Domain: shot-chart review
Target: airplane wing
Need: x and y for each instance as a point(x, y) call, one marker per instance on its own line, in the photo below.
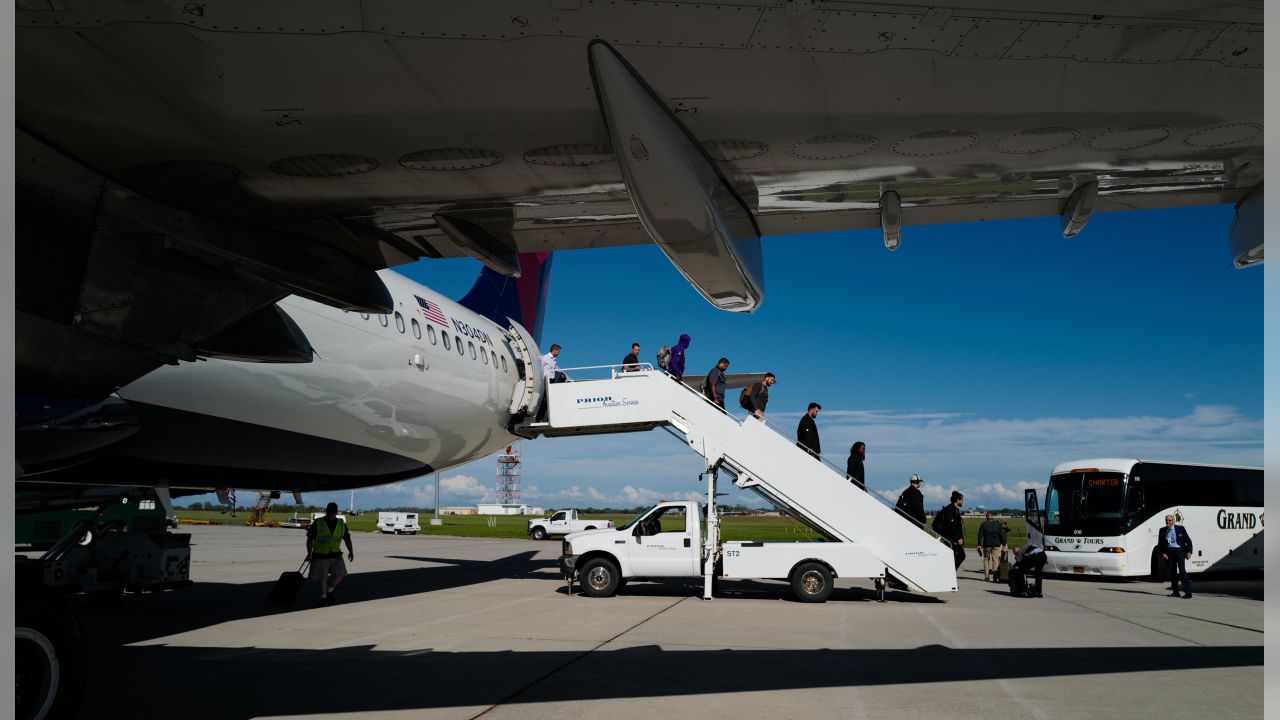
point(732, 380)
point(202, 160)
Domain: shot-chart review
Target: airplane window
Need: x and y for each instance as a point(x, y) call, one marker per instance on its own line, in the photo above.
point(364, 316)
point(457, 339)
point(382, 319)
point(484, 356)
point(471, 346)
point(494, 355)
point(417, 329)
point(431, 333)
point(504, 363)
point(445, 336)
point(399, 322)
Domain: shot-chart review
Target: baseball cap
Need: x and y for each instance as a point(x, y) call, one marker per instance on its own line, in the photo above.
point(916, 478)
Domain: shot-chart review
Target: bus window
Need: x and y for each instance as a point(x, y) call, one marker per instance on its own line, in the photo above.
point(1134, 504)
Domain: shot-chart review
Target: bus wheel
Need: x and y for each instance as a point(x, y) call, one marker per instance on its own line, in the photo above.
point(1159, 569)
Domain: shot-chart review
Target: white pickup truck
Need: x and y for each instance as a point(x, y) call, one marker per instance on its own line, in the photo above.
point(662, 543)
point(563, 522)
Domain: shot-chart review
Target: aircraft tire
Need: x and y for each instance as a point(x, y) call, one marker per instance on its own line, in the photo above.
point(49, 655)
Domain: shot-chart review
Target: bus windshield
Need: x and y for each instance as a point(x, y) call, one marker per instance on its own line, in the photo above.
point(1091, 502)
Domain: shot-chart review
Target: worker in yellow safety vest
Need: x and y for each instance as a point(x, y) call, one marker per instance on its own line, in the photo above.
point(324, 551)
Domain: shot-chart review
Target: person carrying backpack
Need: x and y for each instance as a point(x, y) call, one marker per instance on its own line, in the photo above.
point(675, 365)
point(911, 501)
point(754, 399)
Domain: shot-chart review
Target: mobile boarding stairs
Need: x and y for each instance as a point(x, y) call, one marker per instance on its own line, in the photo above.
point(756, 457)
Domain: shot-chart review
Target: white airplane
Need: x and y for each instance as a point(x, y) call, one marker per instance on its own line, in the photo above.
point(198, 182)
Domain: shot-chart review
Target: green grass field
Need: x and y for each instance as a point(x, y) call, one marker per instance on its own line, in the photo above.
point(499, 526)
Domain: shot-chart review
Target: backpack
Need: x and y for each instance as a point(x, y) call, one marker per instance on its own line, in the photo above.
point(664, 357)
point(742, 399)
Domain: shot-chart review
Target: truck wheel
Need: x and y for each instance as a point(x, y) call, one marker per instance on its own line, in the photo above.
point(598, 577)
point(1159, 568)
point(49, 655)
point(539, 533)
point(811, 582)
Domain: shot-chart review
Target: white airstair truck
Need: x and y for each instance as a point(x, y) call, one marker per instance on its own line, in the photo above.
point(865, 537)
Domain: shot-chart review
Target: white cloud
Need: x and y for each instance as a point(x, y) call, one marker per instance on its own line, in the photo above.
point(465, 486)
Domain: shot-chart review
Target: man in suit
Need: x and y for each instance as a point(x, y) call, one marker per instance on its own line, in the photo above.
point(1175, 547)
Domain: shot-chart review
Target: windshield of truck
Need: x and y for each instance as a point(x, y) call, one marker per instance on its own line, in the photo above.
point(633, 521)
point(1089, 502)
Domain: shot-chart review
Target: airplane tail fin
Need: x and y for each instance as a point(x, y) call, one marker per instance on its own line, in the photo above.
point(522, 299)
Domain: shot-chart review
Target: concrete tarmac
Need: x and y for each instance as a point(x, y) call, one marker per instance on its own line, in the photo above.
point(436, 627)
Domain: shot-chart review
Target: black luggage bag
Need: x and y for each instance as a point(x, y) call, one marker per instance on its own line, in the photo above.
point(285, 591)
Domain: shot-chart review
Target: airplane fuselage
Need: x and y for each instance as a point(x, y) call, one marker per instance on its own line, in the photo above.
point(386, 397)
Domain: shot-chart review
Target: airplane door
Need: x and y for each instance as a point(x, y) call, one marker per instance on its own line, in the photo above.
point(527, 396)
point(662, 545)
point(1035, 532)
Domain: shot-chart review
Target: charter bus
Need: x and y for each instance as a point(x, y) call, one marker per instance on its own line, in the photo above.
point(1103, 516)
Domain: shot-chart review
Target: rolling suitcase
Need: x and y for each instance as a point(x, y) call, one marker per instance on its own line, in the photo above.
point(285, 591)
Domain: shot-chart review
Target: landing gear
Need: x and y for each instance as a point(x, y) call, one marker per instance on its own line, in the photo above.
point(49, 654)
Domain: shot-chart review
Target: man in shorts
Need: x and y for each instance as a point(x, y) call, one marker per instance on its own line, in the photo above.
point(324, 550)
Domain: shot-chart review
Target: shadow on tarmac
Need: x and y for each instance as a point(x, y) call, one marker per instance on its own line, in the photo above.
point(251, 682)
point(143, 617)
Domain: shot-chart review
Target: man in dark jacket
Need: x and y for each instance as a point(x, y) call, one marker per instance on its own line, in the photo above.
point(911, 501)
point(755, 398)
point(675, 365)
point(950, 526)
point(713, 387)
point(992, 543)
point(857, 475)
point(807, 432)
point(1175, 547)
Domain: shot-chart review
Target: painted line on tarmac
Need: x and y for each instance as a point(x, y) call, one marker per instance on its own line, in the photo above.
point(563, 666)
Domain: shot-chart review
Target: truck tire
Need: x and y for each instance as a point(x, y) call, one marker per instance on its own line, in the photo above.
point(49, 654)
point(811, 582)
point(598, 577)
point(539, 533)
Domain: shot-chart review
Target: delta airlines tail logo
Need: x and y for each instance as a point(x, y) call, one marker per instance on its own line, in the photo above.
point(431, 311)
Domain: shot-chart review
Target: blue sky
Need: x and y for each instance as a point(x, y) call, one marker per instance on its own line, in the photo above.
point(979, 355)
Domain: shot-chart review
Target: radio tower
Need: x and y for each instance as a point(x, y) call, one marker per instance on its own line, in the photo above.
point(509, 476)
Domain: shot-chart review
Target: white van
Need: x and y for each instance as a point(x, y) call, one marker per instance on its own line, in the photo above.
point(398, 522)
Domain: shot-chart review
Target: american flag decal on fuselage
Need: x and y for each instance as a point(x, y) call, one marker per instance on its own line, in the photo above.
point(431, 311)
